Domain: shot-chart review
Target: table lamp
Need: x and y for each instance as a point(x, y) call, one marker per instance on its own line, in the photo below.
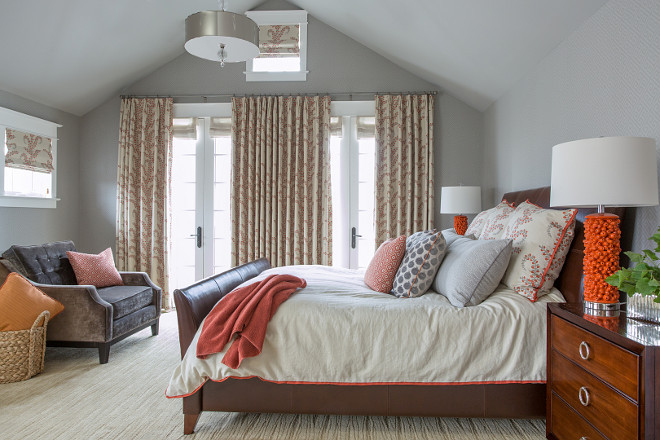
point(599, 172)
point(460, 200)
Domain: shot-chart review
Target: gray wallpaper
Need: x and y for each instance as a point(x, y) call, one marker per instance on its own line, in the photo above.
point(38, 225)
point(336, 64)
point(604, 80)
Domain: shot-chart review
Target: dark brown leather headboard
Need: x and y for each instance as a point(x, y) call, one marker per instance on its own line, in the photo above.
point(569, 281)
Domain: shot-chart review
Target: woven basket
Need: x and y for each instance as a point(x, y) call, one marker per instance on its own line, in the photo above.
point(22, 351)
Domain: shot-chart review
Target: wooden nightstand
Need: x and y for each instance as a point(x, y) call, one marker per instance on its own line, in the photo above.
point(601, 376)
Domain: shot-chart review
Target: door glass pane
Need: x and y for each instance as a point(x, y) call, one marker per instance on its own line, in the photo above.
point(221, 205)
point(366, 191)
point(182, 257)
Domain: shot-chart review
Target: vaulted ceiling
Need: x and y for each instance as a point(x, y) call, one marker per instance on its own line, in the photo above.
point(75, 54)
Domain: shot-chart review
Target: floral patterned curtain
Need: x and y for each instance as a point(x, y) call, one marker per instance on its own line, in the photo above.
point(144, 188)
point(404, 165)
point(281, 199)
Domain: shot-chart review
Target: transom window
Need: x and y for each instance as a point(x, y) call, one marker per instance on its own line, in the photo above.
point(282, 46)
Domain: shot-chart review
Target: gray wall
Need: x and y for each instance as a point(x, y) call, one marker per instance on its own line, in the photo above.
point(38, 225)
point(604, 80)
point(336, 64)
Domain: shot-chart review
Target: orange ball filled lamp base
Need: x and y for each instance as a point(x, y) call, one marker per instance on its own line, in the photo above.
point(602, 247)
point(460, 224)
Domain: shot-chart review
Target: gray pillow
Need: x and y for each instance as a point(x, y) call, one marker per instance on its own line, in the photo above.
point(472, 270)
point(424, 253)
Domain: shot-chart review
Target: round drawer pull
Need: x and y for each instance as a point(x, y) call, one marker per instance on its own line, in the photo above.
point(584, 350)
point(583, 395)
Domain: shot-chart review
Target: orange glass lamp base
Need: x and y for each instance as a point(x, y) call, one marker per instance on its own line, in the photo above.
point(460, 224)
point(602, 247)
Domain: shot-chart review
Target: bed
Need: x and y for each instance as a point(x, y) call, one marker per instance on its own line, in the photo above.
point(521, 394)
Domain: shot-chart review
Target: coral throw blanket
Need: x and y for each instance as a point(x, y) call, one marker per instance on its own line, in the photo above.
point(244, 313)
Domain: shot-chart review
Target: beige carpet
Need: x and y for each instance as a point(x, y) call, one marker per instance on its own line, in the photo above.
point(76, 398)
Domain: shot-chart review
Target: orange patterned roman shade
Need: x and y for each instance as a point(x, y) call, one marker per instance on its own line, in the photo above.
point(279, 40)
point(28, 151)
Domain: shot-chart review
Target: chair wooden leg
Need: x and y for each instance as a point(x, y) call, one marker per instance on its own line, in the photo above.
point(189, 423)
point(104, 353)
point(154, 328)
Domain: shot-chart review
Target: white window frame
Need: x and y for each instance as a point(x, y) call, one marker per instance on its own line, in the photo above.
point(262, 18)
point(29, 124)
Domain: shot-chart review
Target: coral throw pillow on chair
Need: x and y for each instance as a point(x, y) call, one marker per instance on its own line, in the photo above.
point(97, 270)
point(383, 266)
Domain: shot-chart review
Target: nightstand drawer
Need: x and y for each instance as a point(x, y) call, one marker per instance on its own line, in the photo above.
point(604, 359)
point(568, 425)
point(608, 411)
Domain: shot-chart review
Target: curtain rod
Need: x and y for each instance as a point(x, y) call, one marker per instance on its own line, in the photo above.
point(232, 95)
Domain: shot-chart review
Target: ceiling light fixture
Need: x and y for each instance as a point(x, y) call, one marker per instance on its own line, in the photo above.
point(222, 36)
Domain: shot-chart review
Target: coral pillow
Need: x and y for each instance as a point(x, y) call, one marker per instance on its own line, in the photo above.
point(21, 303)
point(382, 269)
point(541, 239)
point(97, 270)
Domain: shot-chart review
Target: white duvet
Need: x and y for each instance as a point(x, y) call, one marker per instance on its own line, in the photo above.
point(337, 330)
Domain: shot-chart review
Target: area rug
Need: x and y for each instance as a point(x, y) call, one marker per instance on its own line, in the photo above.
point(77, 398)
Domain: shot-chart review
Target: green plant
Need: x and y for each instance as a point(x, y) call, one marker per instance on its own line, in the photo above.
point(644, 276)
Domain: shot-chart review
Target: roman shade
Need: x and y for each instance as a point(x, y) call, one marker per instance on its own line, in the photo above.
point(220, 127)
point(28, 151)
point(184, 128)
point(278, 41)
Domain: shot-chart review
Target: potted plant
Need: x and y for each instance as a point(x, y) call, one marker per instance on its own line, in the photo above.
point(641, 282)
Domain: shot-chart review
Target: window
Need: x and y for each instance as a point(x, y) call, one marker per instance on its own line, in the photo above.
point(28, 165)
point(282, 46)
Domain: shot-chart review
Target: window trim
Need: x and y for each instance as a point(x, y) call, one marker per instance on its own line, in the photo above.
point(30, 124)
point(298, 17)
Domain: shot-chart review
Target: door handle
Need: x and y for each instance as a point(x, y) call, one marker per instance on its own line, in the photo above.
point(354, 236)
point(198, 236)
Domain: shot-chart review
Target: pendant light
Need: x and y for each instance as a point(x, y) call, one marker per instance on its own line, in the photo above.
point(222, 36)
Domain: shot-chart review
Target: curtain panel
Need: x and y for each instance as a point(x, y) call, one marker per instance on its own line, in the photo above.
point(404, 165)
point(281, 198)
point(144, 188)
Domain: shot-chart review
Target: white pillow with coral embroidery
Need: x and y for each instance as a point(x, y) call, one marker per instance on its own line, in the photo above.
point(477, 224)
point(497, 221)
point(541, 239)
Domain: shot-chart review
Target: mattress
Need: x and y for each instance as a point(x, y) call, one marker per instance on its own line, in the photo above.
point(338, 331)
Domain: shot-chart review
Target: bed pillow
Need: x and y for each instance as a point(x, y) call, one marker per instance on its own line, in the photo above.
point(97, 270)
point(424, 253)
point(472, 270)
point(541, 239)
point(21, 303)
point(477, 224)
point(497, 221)
point(384, 265)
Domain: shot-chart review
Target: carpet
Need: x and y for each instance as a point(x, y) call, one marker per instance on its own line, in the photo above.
point(77, 398)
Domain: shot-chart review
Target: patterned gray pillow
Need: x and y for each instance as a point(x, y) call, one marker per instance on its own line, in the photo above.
point(472, 270)
point(424, 253)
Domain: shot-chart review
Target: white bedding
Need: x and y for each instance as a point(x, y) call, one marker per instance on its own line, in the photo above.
point(337, 330)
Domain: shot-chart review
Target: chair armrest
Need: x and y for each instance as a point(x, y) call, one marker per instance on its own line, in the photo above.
point(86, 316)
point(142, 279)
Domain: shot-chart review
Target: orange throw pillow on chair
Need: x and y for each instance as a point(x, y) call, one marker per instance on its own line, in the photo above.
point(21, 303)
point(382, 269)
point(97, 270)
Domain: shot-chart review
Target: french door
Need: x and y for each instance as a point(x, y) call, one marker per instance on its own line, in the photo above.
point(201, 222)
point(352, 153)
